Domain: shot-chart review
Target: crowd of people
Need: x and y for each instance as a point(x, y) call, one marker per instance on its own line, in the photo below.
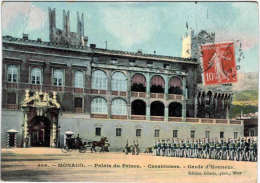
point(241, 149)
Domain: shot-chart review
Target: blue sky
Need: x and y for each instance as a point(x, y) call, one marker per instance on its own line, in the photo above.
point(142, 25)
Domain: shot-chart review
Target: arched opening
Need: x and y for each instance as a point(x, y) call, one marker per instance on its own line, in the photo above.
point(157, 84)
point(175, 109)
point(201, 105)
point(99, 106)
point(157, 108)
point(138, 107)
point(119, 82)
point(39, 130)
point(208, 104)
point(118, 107)
point(138, 83)
point(175, 86)
point(99, 80)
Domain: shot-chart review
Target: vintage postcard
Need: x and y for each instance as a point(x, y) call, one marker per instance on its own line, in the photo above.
point(141, 92)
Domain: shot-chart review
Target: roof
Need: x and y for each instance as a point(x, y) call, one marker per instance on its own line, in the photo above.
point(86, 49)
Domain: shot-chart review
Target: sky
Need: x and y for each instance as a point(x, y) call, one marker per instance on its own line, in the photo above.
point(149, 26)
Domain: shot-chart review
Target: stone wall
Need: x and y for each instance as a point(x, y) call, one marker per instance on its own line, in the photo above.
point(85, 126)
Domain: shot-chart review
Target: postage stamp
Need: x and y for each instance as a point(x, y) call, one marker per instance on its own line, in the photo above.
point(129, 91)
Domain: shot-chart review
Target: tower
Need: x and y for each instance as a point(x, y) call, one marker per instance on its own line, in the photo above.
point(192, 41)
point(65, 36)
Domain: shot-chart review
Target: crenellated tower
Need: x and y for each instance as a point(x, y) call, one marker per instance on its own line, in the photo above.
point(64, 35)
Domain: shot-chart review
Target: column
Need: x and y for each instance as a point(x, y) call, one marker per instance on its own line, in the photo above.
point(166, 113)
point(166, 88)
point(25, 129)
point(128, 111)
point(109, 77)
point(109, 102)
point(184, 87)
point(54, 135)
point(148, 111)
point(7, 142)
point(183, 110)
point(196, 105)
point(147, 77)
point(128, 95)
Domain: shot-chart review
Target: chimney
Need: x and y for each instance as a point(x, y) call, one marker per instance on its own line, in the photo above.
point(92, 45)
point(25, 36)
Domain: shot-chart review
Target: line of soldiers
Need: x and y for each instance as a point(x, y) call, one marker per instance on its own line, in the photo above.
point(241, 149)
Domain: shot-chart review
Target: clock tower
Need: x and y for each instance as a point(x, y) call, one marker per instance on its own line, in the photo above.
point(192, 41)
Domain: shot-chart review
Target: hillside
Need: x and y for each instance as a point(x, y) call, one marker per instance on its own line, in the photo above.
point(246, 101)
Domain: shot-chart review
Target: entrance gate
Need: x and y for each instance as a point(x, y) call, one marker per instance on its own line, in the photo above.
point(41, 113)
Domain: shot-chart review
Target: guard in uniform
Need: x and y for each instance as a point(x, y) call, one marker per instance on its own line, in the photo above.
point(237, 150)
point(211, 149)
point(231, 150)
point(195, 154)
point(204, 149)
point(155, 148)
point(163, 148)
point(169, 148)
point(192, 148)
point(199, 149)
point(255, 149)
point(251, 151)
point(159, 146)
point(182, 148)
point(173, 148)
point(178, 148)
point(224, 150)
point(218, 149)
point(207, 148)
point(187, 149)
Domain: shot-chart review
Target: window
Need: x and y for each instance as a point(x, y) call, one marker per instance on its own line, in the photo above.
point(235, 135)
point(156, 133)
point(252, 133)
point(119, 82)
point(132, 61)
point(114, 61)
point(11, 98)
point(98, 131)
point(118, 107)
point(36, 76)
point(99, 106)
point(149, 63)
point(79, 79)
point(58, 77)
point(99, 80)
point(78, 102)
point(221, 135)
point(166, 65)
point(192, 134)
point(175, 134)
point(207, 134)
point(138, 132)
point(118, 132)
point(12, 73)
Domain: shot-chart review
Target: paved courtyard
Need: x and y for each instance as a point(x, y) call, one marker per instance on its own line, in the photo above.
point(47, 164)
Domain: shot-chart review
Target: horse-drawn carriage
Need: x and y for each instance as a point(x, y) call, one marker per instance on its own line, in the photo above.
point(72, 143)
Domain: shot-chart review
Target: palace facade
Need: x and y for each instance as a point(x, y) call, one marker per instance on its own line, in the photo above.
point(65, 84)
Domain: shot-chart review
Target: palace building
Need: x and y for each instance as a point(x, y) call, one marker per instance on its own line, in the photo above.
point(65, 84)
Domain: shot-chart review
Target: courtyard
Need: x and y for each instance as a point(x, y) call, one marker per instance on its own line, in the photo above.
point(50, 164)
